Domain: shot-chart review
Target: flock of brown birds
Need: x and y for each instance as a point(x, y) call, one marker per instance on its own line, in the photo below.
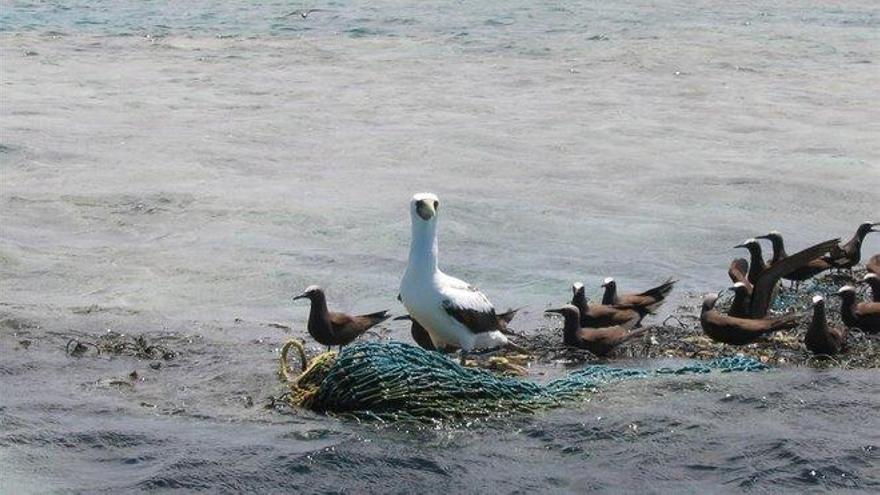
point(601, 327)
point(755, 286)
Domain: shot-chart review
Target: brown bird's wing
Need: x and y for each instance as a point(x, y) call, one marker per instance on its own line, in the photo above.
point(868, 316)
point(661, 291)
point(808, 271)
point(375, 318)
point(874, 284)
point(609, 335)
point(634, 300)
point(762, 294)
point(839, 254)
point(421, 336)
point(340, 320)
point(738, 272)
point(739, 308)
point(600, 315)
point(873, 264)
point(839, 334)
point(741, 325)
point(650, 299)
point(601, 341)
point(784, 322)
point(347, 328)
point(742, 330)
point(762, 325)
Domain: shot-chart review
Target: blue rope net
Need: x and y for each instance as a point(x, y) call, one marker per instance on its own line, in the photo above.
point(397, 381)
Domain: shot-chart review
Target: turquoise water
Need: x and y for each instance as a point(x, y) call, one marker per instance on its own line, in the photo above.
point(182, 169)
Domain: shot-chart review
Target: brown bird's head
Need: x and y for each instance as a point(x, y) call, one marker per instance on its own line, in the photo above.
point(570, 312)
point(578, 295)
point(750, 244)
point(867, 227)
point(871, 279)
point(609, 282)
point(847, 293)
point(772, 236)
point(818, 300)
point(310, 293)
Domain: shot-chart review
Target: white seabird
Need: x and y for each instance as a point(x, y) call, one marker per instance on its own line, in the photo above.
point(454, 313)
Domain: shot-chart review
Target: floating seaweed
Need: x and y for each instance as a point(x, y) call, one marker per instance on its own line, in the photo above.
point(118, 344)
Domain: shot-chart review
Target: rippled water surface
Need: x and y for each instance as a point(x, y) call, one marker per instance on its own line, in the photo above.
point(180, 169)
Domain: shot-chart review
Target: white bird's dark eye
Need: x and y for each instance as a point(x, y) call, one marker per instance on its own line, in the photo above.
point(436, 204)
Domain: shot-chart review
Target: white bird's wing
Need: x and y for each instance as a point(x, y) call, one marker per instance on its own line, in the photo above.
point(468, 306)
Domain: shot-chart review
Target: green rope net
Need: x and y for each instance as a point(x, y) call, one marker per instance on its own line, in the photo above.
point(396, 381)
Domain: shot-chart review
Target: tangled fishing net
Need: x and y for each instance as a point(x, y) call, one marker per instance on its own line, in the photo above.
point(396, 381)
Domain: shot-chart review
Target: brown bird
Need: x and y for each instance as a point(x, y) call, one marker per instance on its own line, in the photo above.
point(756, 259)
point(336, 328)
point(820, 338)
point(738, 331)
point(738, 273)
point(601, 315)
point(739, 308)
point(846, 256)
point(423, 338)
point(650, 299)
point(775, 238)
point(764, 288)
point(873, 264)
point(800, 274)
point(862, 315)
point(599, 341)
point(873, 281)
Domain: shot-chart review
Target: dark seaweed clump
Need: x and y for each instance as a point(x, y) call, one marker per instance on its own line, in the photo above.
point(117, 344)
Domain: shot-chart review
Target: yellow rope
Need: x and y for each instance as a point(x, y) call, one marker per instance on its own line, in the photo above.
point(304, 386)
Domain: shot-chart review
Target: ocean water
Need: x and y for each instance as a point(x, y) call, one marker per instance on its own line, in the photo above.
point(180, 170)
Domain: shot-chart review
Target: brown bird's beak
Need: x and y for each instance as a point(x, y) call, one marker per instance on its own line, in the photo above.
point(301, 296)
point(740, 246)
point(554, 310)
point(765, 236)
